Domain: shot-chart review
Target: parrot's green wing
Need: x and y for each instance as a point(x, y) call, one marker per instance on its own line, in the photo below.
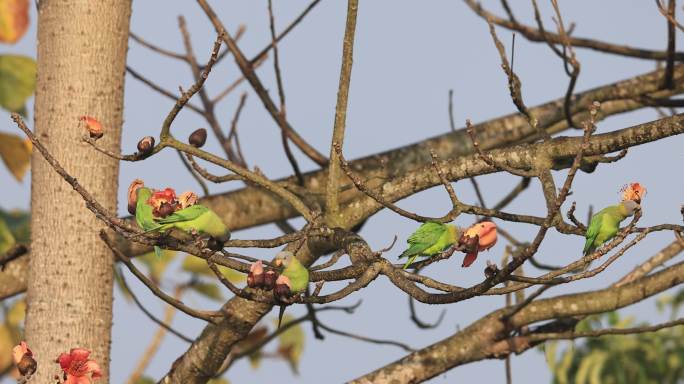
point(427, 233)
point(425, 236)
point(187, 214)
point(592, 233)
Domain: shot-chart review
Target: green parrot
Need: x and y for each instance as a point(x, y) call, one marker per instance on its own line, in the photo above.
point(294, 275)
point(605, 224)
point(430, 239)
point(294, 271)
point(143, 214)
point(197, 219)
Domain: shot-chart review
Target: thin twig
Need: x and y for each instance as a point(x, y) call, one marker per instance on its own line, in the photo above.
point(671, 39)
point(159, 89)
point(602, 332)
point(208, 316)
point(248, 71)
point(418, 322)
point(162, 323)
point(155, 48)
point(367, 339)
point(153, 347)
point(193, 173)
point(533, 34)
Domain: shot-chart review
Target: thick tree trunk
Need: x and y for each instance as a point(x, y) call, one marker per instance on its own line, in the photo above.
point(81, 60)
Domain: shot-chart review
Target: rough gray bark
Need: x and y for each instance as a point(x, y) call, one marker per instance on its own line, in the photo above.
point(81, 60)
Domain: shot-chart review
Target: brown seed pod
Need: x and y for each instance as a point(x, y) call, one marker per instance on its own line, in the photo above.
point(145, 145)
point(27, 366)
point(198, 138)
point(270, 278)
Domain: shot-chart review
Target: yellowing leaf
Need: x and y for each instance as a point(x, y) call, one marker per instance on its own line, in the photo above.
point(255, 359)
point(14, 20)
point(14, 152)
point(197, 265)
point(6, 344)
point(16, 313)
point(157, 265)
point(6, 237)
point(218, 381)
point(18, 222)
point(17, 81)
point(209, 290)
point(291, 343)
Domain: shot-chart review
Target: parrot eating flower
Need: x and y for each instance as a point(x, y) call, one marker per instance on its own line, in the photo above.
point(604, 225)
point(161, 211)
point(430, 239)
point(479, 237)
point(293, 280)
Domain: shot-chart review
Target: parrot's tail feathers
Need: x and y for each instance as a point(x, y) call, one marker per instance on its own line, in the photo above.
point(469, 259)
point(409, 261)
point(281, 312)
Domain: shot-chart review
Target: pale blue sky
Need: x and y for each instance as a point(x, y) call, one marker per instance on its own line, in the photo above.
point(408, 54)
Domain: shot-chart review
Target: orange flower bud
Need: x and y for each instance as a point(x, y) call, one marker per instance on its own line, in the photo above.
point(93, 127)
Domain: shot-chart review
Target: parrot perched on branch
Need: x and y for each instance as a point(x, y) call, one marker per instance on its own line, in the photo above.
point(197, 219)
point(293, 280)
point(161, 211)
point(605, 224)
point(143, 211)
point(294, 270)
point(430, 239)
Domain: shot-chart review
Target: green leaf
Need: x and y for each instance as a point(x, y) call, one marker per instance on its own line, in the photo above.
point(118, 280)
point(210, 290)
point(6, 237)
point(19, 223)
point(15, 153)
point(157, 265)
point(198, 266)
point(145, 380)
point(291, 343)
point(17, 81)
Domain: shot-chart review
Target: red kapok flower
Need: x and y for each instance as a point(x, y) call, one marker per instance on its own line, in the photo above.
point(633, 191)
point(166, 196)
point(76, 366)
